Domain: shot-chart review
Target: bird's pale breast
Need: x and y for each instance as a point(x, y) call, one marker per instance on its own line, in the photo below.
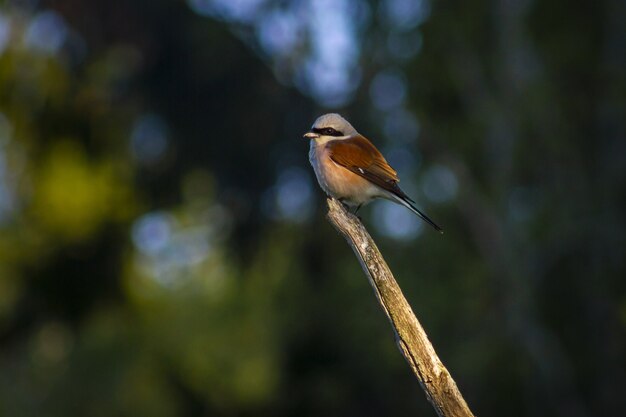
point(337, 181)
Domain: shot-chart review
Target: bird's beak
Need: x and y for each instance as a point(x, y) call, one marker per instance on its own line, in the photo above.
point(311, 135)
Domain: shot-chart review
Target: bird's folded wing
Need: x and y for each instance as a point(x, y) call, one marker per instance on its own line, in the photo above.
point(358, 155)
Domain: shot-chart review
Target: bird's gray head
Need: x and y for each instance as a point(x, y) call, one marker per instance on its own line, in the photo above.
point(331, 125)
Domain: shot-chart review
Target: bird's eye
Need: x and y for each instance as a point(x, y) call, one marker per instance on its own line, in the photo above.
point(329, 131)
point(326, 131)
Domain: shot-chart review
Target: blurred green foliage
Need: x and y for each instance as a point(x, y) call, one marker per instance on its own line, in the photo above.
point(160, 253)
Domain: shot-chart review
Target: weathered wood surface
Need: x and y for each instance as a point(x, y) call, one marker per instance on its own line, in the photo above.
point(440, 388)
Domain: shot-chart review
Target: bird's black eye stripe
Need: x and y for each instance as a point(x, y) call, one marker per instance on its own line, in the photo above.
point(327, 131)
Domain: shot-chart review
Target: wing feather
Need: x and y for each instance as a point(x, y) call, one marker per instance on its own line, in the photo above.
point(358, 155)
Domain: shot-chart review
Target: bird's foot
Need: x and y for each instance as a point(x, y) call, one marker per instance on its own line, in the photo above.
point(343, 203)
point(351, 209)
point(354, 211)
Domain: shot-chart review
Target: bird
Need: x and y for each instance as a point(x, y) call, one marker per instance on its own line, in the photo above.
point(350, 169)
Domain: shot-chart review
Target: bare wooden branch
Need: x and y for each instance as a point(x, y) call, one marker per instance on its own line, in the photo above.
point(440, 388)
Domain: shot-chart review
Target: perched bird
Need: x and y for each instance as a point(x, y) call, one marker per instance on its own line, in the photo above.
point(349, 168)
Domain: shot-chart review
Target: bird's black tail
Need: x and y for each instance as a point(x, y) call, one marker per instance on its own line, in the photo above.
point(407, 202)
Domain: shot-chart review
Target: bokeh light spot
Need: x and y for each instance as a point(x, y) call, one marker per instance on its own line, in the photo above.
point(406, 14)
point(278, 33)
point(235, 10)
point(149, 139)
point(294, 195)
point(331, 71)
point(152, 232)
point(395, 221)
point(440, 184)
point(46, 32)
point(388, 89)
point(5, 32)
point(400, 125)
point(402, 160)
point(313, 45)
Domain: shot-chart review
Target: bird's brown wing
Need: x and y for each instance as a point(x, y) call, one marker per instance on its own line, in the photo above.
point(358, 155)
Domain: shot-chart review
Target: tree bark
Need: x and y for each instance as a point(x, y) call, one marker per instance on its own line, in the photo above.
point(440, 388)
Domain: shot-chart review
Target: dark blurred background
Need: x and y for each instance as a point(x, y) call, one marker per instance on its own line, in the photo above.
point(163, 247)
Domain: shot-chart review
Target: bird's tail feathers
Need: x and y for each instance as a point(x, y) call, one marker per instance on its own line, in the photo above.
point(406, 201)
